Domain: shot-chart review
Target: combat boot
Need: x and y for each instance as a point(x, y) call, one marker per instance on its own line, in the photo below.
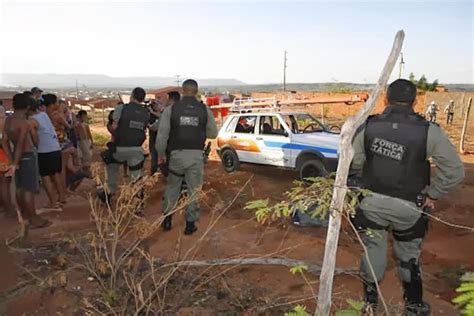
point(190, 228)
point(104, 197)
point(167, 222)
point(421, 309)
point(371, 298)
point(413, 294)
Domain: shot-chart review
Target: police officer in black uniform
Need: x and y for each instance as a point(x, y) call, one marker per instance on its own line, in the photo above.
point(182, 133)
point(392, 150)
point(129, 124)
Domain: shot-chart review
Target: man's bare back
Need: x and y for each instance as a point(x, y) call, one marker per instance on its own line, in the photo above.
point(18, 130)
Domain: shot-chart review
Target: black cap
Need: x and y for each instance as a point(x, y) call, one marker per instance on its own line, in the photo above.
point(401, 91)
point(36, 90)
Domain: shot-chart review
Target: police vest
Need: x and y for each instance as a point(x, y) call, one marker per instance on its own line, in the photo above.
point(395, 147)
point(188, 125)
point(131, 126)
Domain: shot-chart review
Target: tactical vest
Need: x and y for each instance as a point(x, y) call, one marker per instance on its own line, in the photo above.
point(188, 125)
point(131, 126)
point(395, 147)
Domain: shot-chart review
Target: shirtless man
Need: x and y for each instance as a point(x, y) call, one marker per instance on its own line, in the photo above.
point(56, 115)
point(23, 161)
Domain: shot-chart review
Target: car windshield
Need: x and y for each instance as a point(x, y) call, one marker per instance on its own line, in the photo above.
point(303, 123)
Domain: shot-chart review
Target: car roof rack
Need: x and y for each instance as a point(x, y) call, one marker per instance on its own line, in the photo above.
point(272, 104)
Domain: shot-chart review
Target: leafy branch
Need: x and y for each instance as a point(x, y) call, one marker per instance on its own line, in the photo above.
point(311, 196)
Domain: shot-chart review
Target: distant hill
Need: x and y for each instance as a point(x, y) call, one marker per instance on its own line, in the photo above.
point(101, 81)
point(64, 81)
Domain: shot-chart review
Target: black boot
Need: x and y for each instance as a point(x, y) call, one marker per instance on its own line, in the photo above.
point(104, 197)
point(190, 228)
point(413, 294)
point(371, 297)
point(413, 291)
point(167, 223)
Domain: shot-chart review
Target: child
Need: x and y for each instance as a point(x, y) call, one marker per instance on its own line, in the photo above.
point(85, 142)
point(24, 164)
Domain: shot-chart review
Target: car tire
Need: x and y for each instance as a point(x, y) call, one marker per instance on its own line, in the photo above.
point(230, 160)
point(312, 168)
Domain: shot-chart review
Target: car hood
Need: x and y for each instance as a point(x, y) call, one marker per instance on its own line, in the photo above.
point(318, 139)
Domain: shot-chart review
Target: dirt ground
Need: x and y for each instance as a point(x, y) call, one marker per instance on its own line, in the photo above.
point(447, 251)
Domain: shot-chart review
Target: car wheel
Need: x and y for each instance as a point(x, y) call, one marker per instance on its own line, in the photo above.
point(230, 160)
point(312, 168)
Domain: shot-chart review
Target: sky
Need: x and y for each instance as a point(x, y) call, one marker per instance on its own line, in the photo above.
point(327, 41)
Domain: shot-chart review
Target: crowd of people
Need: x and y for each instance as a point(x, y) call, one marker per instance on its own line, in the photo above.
point(42, 143)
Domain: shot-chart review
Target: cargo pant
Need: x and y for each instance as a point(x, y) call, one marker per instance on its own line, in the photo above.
point(397, 215)
point(188, 166)
point(133, 157)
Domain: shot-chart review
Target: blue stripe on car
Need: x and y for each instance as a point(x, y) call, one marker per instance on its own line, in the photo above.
point(299, 147)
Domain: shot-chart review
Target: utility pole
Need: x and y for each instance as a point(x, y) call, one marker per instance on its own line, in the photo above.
point(178, 82)
point(284, 72)
point(402, 64)
point(77, 91)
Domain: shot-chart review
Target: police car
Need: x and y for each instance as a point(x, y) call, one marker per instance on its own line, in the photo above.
point(293, 140)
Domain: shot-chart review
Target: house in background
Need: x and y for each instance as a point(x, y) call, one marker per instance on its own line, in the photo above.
point(441, 88)
point(6, 97)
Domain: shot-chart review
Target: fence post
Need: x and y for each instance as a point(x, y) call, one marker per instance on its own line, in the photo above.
point(462, 150)
point(337, 203)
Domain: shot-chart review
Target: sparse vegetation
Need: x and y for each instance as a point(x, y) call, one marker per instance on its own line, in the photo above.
point(100, 139)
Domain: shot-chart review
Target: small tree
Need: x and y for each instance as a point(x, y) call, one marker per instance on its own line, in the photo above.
point(422, 83)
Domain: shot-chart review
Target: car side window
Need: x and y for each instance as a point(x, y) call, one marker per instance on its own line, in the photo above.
point(246, 125)
point(231, 126)
point(270, 125)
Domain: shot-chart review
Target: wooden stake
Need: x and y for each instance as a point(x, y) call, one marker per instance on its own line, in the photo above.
point(464, 127)
point(346, 154)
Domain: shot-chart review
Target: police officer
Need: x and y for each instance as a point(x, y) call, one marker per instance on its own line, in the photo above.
point(129, 125)
point(392, 151)
point(183, 130)
point(432, 111)
point(449, 110)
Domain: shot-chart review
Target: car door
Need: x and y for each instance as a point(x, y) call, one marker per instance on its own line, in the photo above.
point(273, 139)
point(244, 139)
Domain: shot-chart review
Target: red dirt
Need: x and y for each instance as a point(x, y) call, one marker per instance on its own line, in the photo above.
point(446, 251)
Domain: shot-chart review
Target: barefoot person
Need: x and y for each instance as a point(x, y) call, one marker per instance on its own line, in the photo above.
point(24, 165)
point(85, 142)
point(61, 127)
point(4, 165)
point(49, 156)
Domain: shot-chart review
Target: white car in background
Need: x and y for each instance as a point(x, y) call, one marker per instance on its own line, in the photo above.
point(291, 140)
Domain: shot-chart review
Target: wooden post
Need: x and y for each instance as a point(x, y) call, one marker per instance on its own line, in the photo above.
point(323, 114)
point(337, 204)
point(464, 127)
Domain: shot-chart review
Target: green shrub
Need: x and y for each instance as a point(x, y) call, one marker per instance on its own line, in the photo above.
point(465, 299)
point(100, 139)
